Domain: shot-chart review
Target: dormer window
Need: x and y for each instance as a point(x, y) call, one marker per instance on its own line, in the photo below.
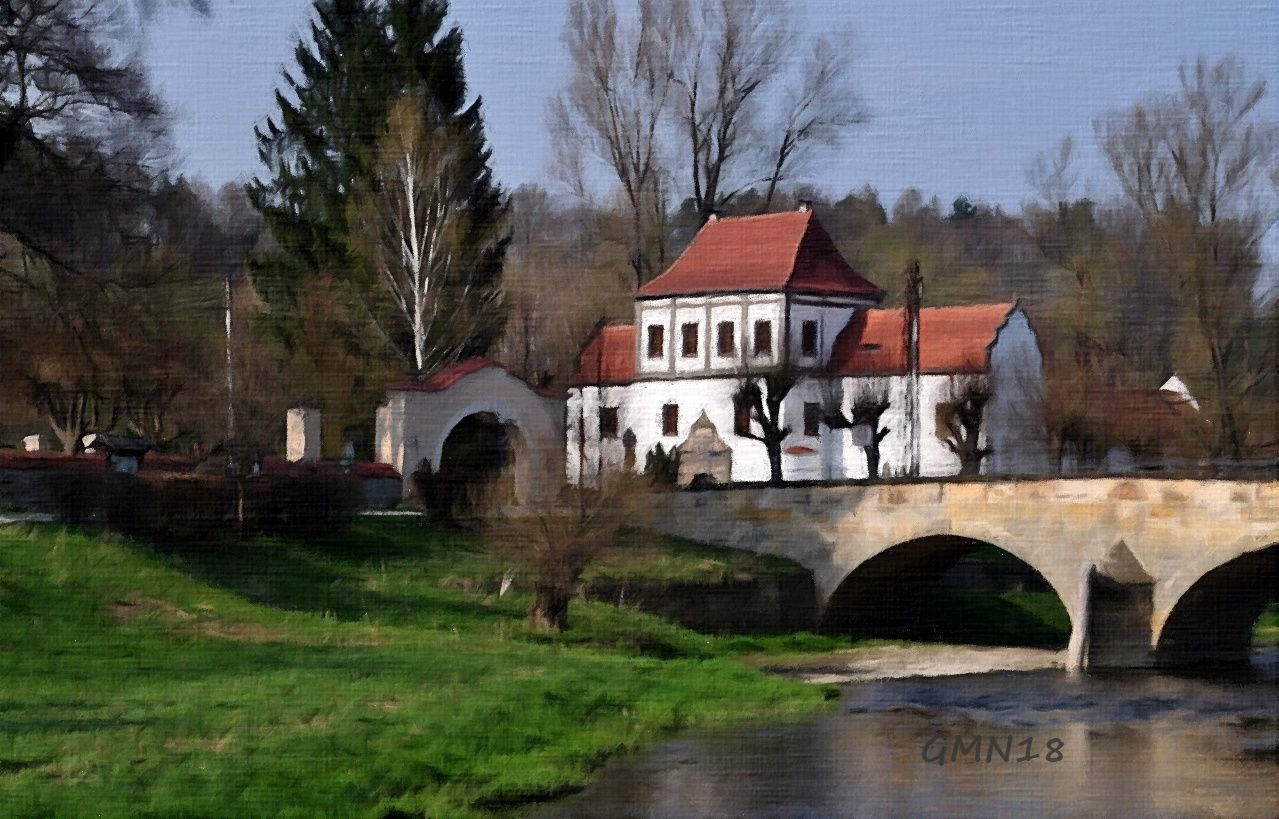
point(726, 343)
point(688, 345)
point(763, 338)
point(808, 339)
point(656, 340)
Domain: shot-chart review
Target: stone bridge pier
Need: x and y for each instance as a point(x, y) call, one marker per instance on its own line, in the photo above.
point(1150, 571)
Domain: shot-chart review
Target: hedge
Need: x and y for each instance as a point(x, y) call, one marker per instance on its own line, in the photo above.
point(294, 504)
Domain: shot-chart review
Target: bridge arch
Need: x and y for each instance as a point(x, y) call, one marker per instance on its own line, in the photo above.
point(886, 593)
point(1210, 625)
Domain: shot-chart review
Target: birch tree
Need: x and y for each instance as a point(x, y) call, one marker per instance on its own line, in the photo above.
point(411, 228)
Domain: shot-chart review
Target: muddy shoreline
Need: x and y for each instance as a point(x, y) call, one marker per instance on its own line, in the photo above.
point(900, 662)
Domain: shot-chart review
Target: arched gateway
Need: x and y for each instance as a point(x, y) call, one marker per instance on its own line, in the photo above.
point(474, 407)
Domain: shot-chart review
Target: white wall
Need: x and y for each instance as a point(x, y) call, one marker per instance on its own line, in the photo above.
point(1015, 415)
point(831, 318)
point(743, 310)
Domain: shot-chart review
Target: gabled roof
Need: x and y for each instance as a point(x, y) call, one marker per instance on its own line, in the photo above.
point(608, 357)
point(951, 340)
point(775, 252)
point(450, 375)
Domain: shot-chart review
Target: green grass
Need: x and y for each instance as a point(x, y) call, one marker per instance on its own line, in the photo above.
point(370, 672)
point(655, 558)
point(1012, 618)
point(1266, 632)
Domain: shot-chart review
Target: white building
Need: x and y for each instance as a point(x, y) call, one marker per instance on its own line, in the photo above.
point(754, 292)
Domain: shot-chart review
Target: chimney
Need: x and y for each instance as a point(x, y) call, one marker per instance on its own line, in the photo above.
point(303, 434)
point(805, 205)
point(713, 216)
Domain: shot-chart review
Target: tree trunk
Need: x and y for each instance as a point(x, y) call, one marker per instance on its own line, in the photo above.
point(872, 462)
point(549, 611)
point(775, 464)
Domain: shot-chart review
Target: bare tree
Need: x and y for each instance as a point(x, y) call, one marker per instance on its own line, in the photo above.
point(1195, 164)
point(1050, 176)
point(616, 104)
point(747, 116)
point(73, 412)
point(411, 229)
point(555, 534)
point(764, 392)
point(959, 421)
point(867, 406)
point(737, 47)
point(820, 107)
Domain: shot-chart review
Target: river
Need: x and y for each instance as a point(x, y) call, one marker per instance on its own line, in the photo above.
point(1130, 745)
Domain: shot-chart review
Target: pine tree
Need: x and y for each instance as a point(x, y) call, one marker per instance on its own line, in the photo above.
point(361, 57)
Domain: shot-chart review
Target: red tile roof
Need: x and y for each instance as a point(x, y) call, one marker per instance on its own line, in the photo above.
point(445, 378)
point(608, 357)
point(454, 373)
point(951, 340)
point(774, 252)
point(1137, 415)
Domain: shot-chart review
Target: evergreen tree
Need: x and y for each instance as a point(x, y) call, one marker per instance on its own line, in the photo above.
point(361, 57)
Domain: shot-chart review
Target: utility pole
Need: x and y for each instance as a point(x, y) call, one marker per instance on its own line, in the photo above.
point(914, 299)
point(230, 372)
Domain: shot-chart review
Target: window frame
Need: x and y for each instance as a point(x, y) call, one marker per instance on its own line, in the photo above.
point(742, 406)
point(670, 420)
point(656, 341)
point(809, 344)
point(812, 419)
point(605, 433)
point(689, 331)
point(758, 350)
point(729, 350)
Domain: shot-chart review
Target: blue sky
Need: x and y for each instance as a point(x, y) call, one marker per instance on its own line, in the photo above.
point(962, 93)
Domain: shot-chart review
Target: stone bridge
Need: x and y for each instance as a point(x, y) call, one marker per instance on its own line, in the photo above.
point(1151, 571)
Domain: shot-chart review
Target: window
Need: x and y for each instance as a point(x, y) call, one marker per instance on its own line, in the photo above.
point(808, 338)
point(812, 420)
point(608, 422)
point(656, 340)
point(763, 338)
point(727, 344)
point(741, 416)
point(670, 419)
point(689, 340)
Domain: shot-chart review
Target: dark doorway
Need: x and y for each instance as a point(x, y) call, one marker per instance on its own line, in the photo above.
point(478, 459)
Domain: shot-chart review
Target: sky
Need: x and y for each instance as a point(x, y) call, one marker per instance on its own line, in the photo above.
point(962, 94)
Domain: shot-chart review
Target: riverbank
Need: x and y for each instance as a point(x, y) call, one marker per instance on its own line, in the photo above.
point(887, 661)
point(362, 674)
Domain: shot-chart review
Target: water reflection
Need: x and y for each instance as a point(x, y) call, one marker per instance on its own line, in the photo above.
point(1135, 745)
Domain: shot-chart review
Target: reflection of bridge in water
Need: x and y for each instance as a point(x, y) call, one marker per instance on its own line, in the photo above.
point(1151, 571)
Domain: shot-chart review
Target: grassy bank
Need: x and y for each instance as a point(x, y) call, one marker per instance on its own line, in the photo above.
point(366, 673)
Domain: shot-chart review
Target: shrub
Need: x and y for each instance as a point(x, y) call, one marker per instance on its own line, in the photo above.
point(662, 466)
point(195, 505)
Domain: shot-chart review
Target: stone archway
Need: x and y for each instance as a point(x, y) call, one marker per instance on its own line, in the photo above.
point(1211, 625)
point(893, 593)
point(479, 458)
point(415, 424)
